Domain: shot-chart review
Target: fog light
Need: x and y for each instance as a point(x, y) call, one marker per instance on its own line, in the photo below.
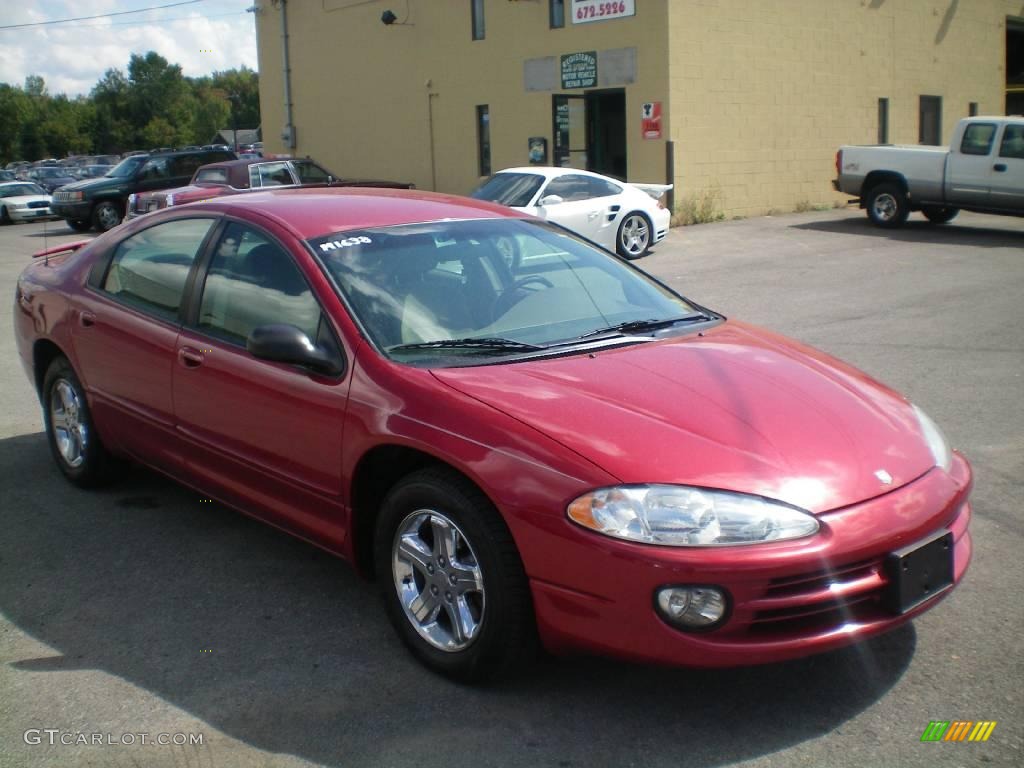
point(692, 607)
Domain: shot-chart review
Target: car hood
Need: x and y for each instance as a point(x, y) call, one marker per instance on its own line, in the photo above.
point(102, 181)
point(26, 199)
point(736, 408)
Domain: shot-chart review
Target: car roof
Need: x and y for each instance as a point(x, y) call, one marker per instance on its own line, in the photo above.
point(551, 171)
point(243, 162)
point(314, 211)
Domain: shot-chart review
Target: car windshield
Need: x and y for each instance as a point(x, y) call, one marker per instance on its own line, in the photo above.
point(515, 190)
point(16, 190)
point(128, 166)
point(50, 173)
point(310, 173)
point(428, 293)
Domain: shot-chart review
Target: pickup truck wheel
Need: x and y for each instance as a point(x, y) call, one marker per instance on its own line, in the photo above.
point(79, 226)
point(888, 206)
point(107, 215)
point(938, 214)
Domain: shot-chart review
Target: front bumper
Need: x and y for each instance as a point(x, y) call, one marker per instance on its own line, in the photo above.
point(80, 211)
point(787, 599)
point(29, 214)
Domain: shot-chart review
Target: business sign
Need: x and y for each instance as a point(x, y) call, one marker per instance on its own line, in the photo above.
point(584, 11)
point(579, 70)
point(650, 122)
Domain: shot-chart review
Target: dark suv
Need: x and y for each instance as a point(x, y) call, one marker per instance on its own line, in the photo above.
point(101, 202)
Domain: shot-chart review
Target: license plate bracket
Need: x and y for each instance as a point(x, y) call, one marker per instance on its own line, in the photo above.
point(919, 572)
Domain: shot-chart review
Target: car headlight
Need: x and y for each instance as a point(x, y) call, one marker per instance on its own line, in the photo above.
point(682, 516)
point(937, 442)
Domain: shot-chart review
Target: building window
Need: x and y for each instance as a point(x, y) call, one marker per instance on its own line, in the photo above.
point(477, 7)
point(557, 14)
point(972, 109)
point(929, 130)
point(883, 121)
point(483, 139)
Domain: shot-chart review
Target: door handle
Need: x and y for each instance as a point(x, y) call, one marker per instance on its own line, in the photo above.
point(593, 215)
point(999, 167)
point(86, 319)
point(190, 357)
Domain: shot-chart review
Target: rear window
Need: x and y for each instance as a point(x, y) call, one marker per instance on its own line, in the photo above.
point(213, 175)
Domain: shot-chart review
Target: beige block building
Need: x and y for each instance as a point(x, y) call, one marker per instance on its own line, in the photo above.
point(754, 96)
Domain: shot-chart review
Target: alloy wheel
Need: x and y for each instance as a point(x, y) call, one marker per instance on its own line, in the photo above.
point(69, 429)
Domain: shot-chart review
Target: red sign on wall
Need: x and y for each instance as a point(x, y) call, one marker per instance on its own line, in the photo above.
point(651, 121)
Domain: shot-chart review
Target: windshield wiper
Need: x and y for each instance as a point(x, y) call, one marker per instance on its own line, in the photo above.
point(641, 326)
point(484, 343)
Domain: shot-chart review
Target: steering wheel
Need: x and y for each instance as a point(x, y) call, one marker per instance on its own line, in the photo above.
point(507, 298)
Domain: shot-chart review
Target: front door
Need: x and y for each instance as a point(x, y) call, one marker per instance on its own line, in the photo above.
point(264, 436)
point(970, 165)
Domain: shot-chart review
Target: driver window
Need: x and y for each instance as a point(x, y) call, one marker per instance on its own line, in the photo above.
point(252, 281)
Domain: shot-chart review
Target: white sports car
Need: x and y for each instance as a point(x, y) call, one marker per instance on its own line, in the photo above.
point(23, 201)
point(622, 216)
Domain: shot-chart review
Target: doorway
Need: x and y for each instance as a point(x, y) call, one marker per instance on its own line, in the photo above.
point(590, 131)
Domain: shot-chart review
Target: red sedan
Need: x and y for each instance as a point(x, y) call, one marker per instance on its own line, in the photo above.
point(548, 446)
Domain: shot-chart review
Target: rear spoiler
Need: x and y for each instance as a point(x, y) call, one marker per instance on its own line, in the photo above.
point(65, 248)
point(654, 190)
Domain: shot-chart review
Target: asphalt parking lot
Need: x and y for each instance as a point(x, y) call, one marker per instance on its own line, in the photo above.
point(138, 609)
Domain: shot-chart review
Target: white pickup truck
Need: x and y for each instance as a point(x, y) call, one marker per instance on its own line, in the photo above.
point(983, 170)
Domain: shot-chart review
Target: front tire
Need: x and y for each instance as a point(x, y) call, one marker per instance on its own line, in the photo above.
point(887, 206)
point(107, 215)
point(451, 577)
point(79, 225)
point(634, 237)
point(938, 214)
point(5, 217)
point(74, 441)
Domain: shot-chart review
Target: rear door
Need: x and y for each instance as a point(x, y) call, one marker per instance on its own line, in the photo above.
point(264, 436)
point(126, 332)
point(969, 175)
point(1008, 169)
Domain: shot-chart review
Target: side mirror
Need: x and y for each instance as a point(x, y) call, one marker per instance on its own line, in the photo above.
point(551, 200)
point(282, 343)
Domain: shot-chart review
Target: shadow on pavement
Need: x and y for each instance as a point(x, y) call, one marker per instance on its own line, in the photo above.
point(281, 646)
point(922, 231)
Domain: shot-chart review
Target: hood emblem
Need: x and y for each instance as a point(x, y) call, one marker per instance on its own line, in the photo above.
point(884, 476)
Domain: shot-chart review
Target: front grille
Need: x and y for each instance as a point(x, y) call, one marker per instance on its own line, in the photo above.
point(39, 204)
point(819, 600)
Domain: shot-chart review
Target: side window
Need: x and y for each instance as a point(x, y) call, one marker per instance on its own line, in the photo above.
point(155, 168)
point(602, 188)
point(569, 187)
point(310, 173)
point(269, 175)
point(213, 175)
point(1013, 141)
point(978, 139)
point(251, 282)
point(149, 269)
point(185, 165)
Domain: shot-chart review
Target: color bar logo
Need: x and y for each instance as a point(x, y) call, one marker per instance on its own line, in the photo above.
point(958, 730)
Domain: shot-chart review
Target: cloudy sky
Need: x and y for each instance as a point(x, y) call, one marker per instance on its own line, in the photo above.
point(201, 36)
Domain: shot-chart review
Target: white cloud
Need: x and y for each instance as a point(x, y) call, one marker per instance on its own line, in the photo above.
point(205, 37)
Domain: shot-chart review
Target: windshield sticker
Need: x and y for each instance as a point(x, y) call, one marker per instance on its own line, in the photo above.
point(333, 245)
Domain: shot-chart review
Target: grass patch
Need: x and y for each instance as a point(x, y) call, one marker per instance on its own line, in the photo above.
point(700, 207)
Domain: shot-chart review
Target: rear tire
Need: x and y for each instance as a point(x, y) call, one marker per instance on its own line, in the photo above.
point(451, 577)
point(74, 441)
point(887, 205)
point(107, 215)
point(79, 225)
point(938, 214)
point(634, 236)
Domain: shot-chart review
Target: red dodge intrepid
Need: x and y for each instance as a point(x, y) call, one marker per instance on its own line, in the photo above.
point(521, 436)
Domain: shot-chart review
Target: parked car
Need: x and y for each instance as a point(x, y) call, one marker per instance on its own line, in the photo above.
point(983, 171)
point(567, 449)
point(101, 202)
point(623, 217)
point(95, 171)
point(234, 176)
point(7, 175)
point(52, 178)
point(23, 201)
